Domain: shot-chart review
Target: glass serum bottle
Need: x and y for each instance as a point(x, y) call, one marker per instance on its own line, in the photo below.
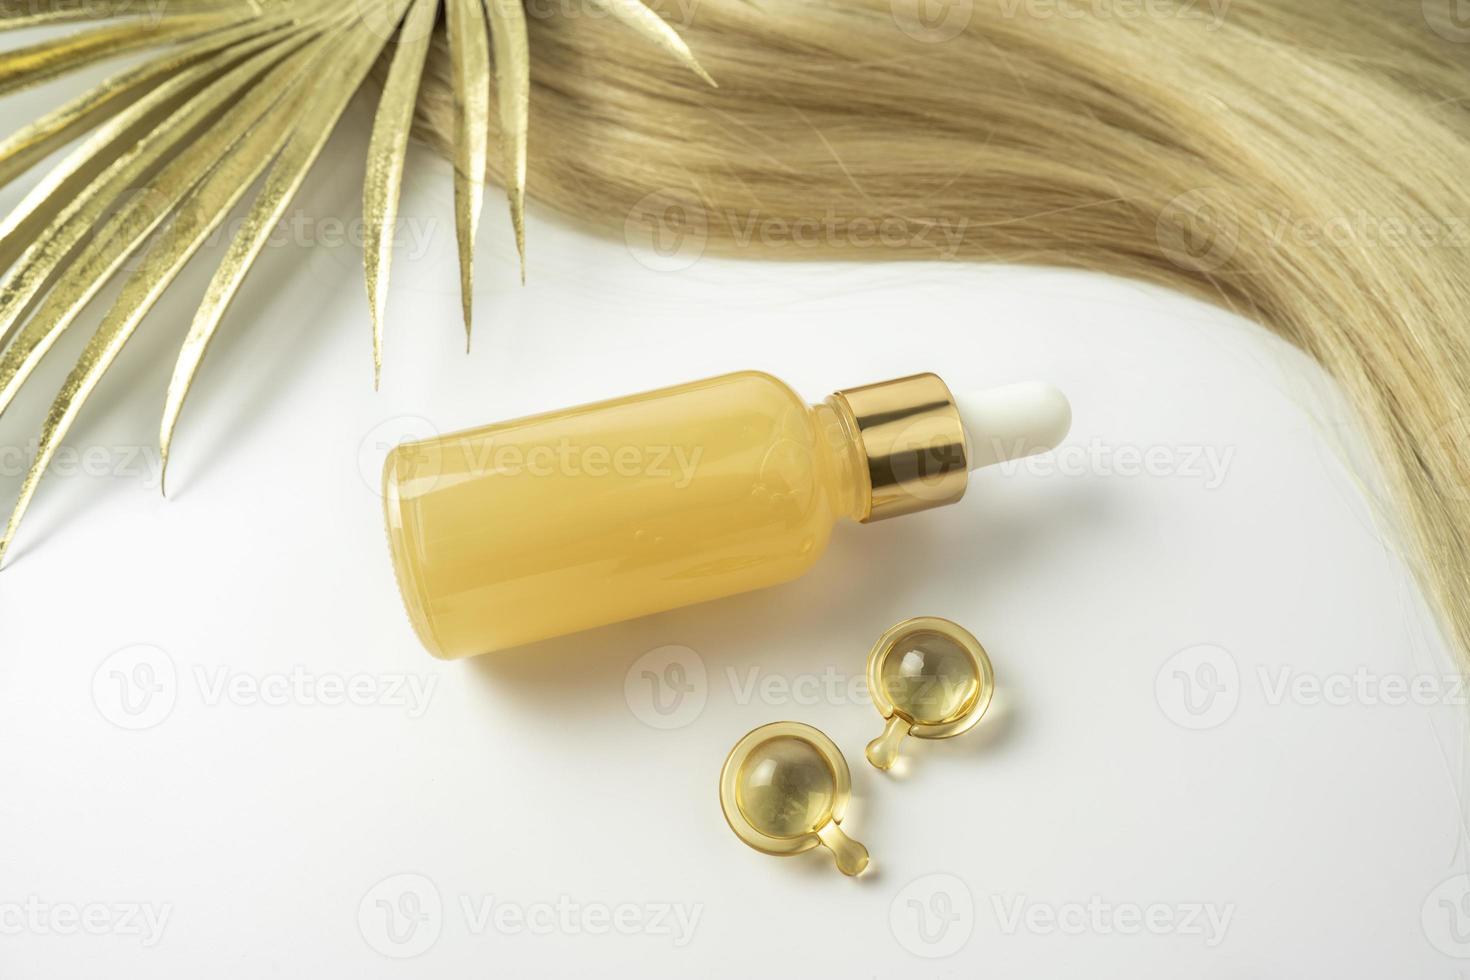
point(561, 522)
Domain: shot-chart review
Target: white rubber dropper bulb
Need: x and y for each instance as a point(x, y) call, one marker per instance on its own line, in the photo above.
point(1014, 421)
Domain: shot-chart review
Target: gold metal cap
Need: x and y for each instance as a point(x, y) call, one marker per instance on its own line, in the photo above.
point(914, 441)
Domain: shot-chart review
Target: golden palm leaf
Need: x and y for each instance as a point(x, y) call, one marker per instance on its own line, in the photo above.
point(241, 89)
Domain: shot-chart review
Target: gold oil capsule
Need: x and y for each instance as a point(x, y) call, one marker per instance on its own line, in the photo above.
point(785, 788)
point(930, 678)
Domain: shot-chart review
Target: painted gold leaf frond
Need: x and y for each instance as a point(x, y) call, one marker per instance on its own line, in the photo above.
point(137, 206)
point(242, 92)
point(386, 153)
point(98, 254)
point(258, 138)
point(634, 14)
point(513, 88)
point(37, 63)
point(34, 142)
point(469, 55)
point(330, 99)
point(20, 14)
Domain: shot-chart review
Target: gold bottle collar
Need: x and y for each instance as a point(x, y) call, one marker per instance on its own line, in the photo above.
point(914, 443)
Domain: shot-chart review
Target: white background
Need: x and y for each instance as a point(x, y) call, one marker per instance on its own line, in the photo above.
point(279, 836)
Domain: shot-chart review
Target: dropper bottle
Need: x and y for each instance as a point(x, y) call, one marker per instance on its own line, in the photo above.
point(547, 525)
